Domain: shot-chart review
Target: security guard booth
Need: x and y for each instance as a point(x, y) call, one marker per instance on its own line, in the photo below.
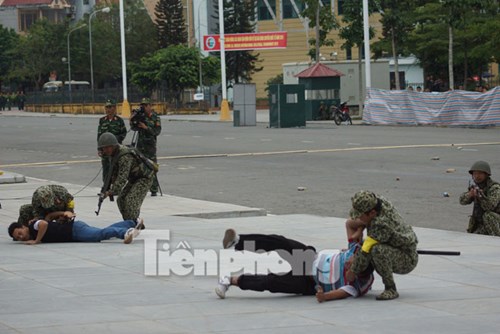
point(286, 106)
point(244, 106)
point(322, 84)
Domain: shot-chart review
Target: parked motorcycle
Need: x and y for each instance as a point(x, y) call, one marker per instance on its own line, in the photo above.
point(341, 114)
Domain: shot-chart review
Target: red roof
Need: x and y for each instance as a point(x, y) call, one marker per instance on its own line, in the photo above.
point(319, 70)
point(12, 3)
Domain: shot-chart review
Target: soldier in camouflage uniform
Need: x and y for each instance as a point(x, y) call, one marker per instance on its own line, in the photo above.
point(146, 143)
point(3, 101)
point(390, 245)
point(485, 193)
point(25, 214)
point(131, 176)
point(113, 124)
point(51, 200)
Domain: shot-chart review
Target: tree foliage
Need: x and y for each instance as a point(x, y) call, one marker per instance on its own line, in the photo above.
point(177, 66)
point(238, 18)
point(473, 47)
point(325, 24)
point(170, 23)
point(39, 52)
point(8, 40)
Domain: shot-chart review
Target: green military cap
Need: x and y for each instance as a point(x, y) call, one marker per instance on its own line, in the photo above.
point(110, 103)
point(362, 202)
point(146, 100)
point(45, 196)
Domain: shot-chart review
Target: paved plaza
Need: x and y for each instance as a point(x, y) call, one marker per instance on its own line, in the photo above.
point(102, 287)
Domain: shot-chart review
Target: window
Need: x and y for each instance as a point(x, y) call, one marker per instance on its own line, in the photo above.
point(263, 12)
point(289, 11)
point(348, 54)
point(292, 98)
point(322, 94)
point(26, 20)
point(340, 6)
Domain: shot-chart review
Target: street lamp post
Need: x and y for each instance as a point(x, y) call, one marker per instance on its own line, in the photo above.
point(69, 61)
point(200, 42)
point(104, 10)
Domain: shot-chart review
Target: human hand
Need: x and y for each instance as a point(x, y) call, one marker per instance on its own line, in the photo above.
point(320, 294)
point(142, 125)
point(31, 242)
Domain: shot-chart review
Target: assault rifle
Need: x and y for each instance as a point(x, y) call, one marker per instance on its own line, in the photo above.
point(104, 189)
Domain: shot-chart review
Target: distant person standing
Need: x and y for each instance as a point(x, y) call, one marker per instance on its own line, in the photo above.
point(113, 124)
point(21, 99)
point(149, 128)
point(3, 101)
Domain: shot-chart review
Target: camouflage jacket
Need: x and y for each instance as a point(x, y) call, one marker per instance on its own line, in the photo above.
point(389, 228)
point(116, 126)
point(489, 201)
point(57, 198)
point(127, 167)
point(147, 137)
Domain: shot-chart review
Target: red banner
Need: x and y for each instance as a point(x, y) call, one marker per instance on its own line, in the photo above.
point(234, 42)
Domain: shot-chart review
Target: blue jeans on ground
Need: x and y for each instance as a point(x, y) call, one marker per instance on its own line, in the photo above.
point(85, 233)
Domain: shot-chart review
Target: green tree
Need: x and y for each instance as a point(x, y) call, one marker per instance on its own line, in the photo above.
point(8, 40)
point(397, 22)
point(320, 18)
point(238, 18)
point(170, 23)
point(432, 42)
point(353, 35)
point(39, 52)
point(277, 80)
point(140, 40)
point(177, 66)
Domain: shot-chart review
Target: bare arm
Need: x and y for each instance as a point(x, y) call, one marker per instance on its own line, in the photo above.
point(59, 214)
point(42, 229)
point(354, 229)
point(322, 296)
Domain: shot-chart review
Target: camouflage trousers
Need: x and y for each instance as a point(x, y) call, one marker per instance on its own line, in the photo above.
point(490, 224)
point(131, 198)
point(386, 260)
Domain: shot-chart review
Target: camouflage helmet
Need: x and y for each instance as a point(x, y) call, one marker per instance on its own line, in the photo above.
point(362, 202)
point(45, 196)
point(480, 166)
point(107, 139)
point(25, 213)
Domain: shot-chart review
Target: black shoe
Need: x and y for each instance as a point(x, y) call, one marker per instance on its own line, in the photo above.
point(153, 194)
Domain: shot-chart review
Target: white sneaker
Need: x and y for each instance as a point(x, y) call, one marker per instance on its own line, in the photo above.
point(222, 287)
point(129, 236)
point(138, 227)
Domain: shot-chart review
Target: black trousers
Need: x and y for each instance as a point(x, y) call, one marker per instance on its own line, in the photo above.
point(298, 281)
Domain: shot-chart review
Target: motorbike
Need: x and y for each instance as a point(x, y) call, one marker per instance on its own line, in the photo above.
point(341, 114)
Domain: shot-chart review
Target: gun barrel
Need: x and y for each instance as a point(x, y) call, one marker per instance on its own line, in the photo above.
point(433, 252)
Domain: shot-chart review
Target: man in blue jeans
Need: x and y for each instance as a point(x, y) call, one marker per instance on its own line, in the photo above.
point(70, 230)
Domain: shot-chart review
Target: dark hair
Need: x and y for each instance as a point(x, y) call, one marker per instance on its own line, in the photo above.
point(12, 227)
